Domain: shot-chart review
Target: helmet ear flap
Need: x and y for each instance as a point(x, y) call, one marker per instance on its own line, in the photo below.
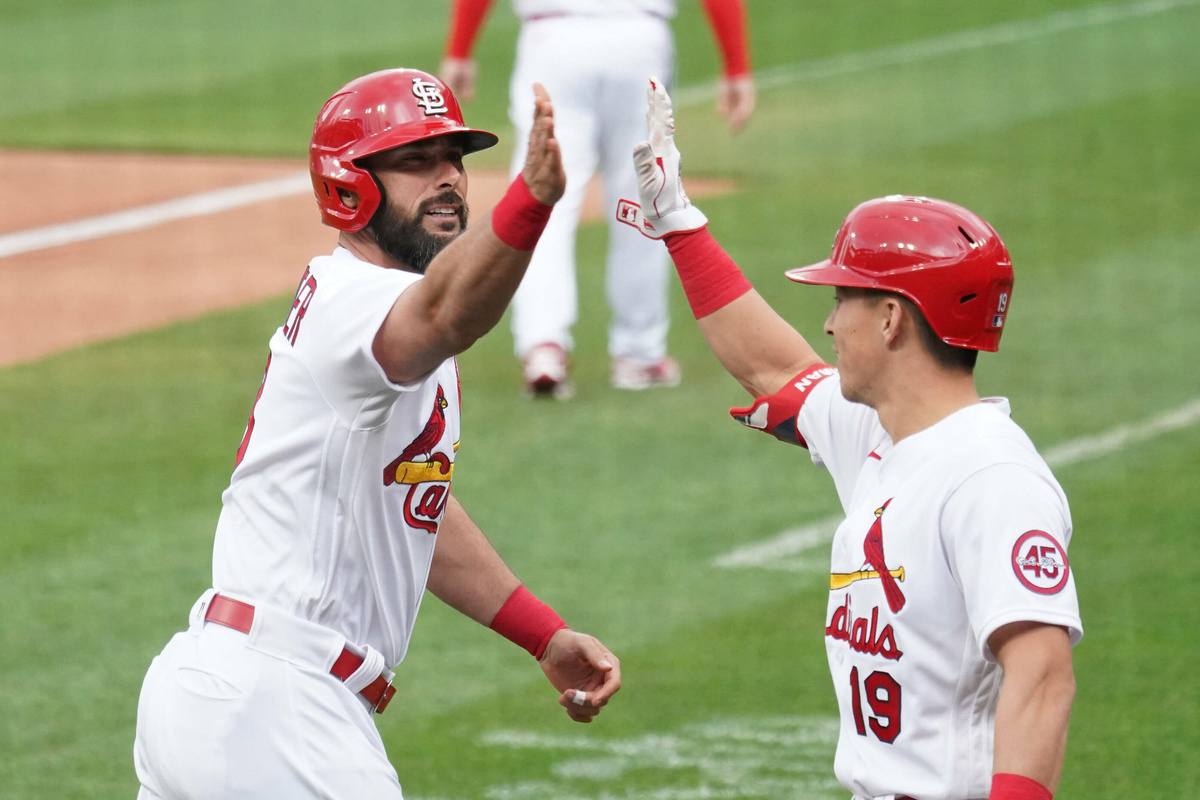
point(354, 180)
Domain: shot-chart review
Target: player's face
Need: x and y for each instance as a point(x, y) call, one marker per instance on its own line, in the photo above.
point(853, 324)
point(424, 205)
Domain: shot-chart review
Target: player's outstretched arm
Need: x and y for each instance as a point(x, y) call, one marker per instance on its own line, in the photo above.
point(754, 344)
point(1034, 707)
point(469, 284)
point(458, 68)
point(736, 96)
point(468, 575)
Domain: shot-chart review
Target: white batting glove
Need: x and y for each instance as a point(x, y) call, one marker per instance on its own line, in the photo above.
point(664, 208)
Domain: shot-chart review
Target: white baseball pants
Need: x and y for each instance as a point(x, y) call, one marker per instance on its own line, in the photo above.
point(220, 717)
point(595, 69)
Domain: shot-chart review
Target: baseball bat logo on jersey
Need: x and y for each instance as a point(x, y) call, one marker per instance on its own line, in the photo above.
point(424, 512)
point(1040, 563)
point(875, 566)
point(429, 97)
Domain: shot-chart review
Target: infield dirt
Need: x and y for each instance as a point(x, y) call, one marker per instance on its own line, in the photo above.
point(63, 296)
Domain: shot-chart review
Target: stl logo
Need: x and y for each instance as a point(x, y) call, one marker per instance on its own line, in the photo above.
point(429, 97)
point(1040, 563)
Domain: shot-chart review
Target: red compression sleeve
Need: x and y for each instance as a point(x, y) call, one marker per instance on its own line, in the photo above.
point(466, 17)
point(710, 278)
point(527, 621)
point(728, 21)
point(1007, 786)
point(519, 218)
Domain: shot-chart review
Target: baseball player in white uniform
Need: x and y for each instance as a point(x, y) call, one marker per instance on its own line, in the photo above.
point(952, 606)
point(339, 512)
point(594, 57)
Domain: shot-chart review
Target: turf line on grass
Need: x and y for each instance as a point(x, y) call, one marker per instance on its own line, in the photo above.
point(784, 551)
point(937, 46)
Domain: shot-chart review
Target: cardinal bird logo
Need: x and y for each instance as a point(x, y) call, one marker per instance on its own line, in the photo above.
point(426, 473)
point(432, 434)
point(875, 566)
point(873, 550)
point(406, 468)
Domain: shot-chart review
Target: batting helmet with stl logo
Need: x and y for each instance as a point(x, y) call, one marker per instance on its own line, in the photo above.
point(939, 255)
point(368, 115)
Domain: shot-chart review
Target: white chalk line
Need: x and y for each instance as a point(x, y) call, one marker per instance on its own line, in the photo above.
point(786, 551)
point(922, 50)
point(721, 759)
point(938, 46)
point(134, 219)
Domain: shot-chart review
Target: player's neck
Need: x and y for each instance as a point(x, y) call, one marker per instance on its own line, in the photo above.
point(362, 245)
point(921, 394)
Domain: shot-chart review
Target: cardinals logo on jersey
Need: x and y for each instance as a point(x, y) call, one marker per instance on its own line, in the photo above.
point(862, 633)
point(875, 566)
point(418, 464)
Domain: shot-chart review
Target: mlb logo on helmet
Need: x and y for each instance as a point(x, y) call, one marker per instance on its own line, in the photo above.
point(429, 97)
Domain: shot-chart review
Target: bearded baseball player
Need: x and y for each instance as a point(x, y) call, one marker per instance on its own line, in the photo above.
point(594, 57)
point(339, 513)
point(952, 607)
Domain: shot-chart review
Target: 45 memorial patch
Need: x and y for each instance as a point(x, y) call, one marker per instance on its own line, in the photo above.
point(1040, 563)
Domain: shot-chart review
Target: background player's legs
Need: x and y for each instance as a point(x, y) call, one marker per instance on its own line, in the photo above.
point(545, 305)
point(552, 52)
point(217, 719)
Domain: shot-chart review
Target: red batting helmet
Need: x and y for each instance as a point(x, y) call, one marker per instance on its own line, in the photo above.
point(939, 255)
point(371, 114)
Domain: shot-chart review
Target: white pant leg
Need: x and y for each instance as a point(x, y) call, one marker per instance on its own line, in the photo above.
point(595, 69)
point(637, 267)
point(217, 719)
point(545, 306)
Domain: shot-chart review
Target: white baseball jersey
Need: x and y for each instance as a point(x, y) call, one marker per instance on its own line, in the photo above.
point(950, 534)
point(527, 9)
point(343, 476)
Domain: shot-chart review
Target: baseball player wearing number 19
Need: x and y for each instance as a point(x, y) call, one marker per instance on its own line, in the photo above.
point(952, 607)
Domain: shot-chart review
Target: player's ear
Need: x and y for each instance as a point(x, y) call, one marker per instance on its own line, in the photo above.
point(892, 318)
point(349, 199)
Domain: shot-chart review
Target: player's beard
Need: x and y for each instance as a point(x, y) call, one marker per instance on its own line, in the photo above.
point(405, 238)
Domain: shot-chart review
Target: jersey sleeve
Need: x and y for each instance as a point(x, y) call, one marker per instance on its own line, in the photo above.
point(727, 18)
point(337, 340)
point(811, 412)
point(1006, 530)
point(466, 18)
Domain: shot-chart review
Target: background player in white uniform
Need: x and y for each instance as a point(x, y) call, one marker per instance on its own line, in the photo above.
point(952, 607)
point(326, 540)
point(594, 57)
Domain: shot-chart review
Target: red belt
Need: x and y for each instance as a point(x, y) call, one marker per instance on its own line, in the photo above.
point(240, 616)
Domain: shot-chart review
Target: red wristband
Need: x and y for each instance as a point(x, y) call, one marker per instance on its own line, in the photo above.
point(527, 621)
point(519, 218)
point(710, 278)
point(1007, 786)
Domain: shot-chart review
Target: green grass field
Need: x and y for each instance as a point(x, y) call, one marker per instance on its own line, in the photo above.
point(1070, 125)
